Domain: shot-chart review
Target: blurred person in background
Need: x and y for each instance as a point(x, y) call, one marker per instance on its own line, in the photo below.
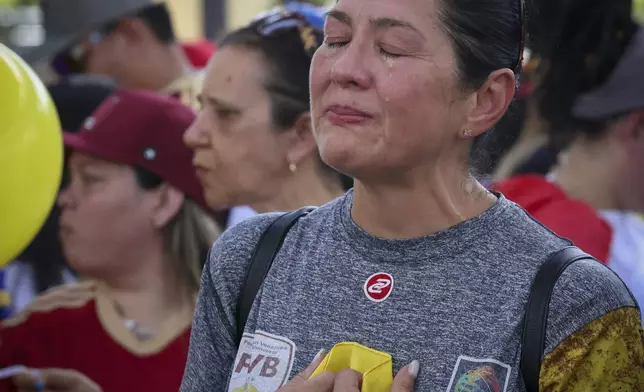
point(131, 41)
point(134, 223)
point(314, 15)
point(252, 138)
point(42, 265)
point(591, 93)
point(524, 146)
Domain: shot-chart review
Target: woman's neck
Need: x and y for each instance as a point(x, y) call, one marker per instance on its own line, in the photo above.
point(584, 172)
point(148, 296)
point(305, 187)
point(417, 209)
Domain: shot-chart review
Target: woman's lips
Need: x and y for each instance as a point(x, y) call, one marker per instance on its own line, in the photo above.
point(346, 115)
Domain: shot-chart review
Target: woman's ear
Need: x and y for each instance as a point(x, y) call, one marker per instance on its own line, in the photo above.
point(168, 205)
point(491, 101)
point(629, 128)
point(300, 140)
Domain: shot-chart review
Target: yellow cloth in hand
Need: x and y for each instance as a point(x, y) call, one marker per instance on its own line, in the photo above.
point(375, 366)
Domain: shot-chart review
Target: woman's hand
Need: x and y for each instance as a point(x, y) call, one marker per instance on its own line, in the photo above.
point(323, 382)
point(347, 380)
point(55, 380)
point(350, 381)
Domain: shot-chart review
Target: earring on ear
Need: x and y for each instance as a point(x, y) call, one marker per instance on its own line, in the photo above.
point(292, 167)
point(467, 133)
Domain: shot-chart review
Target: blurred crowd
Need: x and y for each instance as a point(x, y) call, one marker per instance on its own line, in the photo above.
point(168, 144)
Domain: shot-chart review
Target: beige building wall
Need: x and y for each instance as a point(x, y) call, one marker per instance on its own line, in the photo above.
point(187, 17)
point(240, 12)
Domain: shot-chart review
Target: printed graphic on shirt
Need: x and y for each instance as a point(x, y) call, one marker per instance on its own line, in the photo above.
point(263, 363)
point(378, 286)
point(479, 375)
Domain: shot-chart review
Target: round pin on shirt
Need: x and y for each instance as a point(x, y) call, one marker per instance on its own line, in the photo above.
point(378, 286)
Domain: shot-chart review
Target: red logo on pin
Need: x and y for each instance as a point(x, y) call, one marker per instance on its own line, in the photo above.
point(378, 286)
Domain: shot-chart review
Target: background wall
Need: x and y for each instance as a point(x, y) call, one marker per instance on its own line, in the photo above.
point(240, 12)
point(187, 16)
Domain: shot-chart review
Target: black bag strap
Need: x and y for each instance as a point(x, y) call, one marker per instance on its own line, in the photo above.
point(269, 244)
point(536, 318)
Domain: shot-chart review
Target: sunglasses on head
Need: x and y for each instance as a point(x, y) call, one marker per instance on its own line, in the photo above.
point(73, 60)
point(280, 21)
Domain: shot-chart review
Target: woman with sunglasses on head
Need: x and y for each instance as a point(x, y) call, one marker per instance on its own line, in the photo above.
point(591, 92)
point(135, 226)
point(419, 264)
point(252, 139)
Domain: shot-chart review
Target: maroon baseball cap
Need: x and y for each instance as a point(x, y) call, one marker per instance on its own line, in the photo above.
point(144, 129)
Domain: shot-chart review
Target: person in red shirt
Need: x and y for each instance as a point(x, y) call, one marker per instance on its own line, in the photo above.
point(134, 223)
point(569, 217)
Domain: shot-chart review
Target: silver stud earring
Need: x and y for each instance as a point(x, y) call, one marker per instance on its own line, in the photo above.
point(467, 133)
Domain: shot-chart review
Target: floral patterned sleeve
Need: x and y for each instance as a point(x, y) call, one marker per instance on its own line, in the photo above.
point(605, 355)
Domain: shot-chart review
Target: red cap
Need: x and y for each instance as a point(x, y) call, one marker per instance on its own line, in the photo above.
point(198, 52)
point(142, 129)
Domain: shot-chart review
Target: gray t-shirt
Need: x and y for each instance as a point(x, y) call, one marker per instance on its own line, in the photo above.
point(454, 300)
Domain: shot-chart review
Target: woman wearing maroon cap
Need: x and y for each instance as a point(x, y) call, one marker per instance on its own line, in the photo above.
point(134, 223)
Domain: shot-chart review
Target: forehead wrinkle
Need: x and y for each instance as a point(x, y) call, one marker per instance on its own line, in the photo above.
point(376, 23)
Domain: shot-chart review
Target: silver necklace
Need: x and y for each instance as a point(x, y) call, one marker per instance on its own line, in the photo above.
point(139, 332)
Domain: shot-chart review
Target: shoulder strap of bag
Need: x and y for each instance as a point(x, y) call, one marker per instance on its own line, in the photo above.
point(269, 244)
point(536, 318)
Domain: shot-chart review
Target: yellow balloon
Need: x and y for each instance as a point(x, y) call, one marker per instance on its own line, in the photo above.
point(31, 154)
point(638, 10)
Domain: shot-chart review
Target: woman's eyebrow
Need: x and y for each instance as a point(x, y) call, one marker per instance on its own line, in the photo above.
point(377, 23)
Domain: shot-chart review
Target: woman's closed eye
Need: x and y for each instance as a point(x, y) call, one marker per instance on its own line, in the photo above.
point(387, 53)
point(333, 44)
point(83, 181)
point(223, 113)
point(88, 177)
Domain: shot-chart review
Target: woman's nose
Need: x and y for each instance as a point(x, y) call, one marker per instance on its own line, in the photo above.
point(196, 134)
point(64, 197)
point(349, 71)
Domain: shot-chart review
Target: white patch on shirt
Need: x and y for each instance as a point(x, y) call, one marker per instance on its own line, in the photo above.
point(473, 374)
point(263, 364)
